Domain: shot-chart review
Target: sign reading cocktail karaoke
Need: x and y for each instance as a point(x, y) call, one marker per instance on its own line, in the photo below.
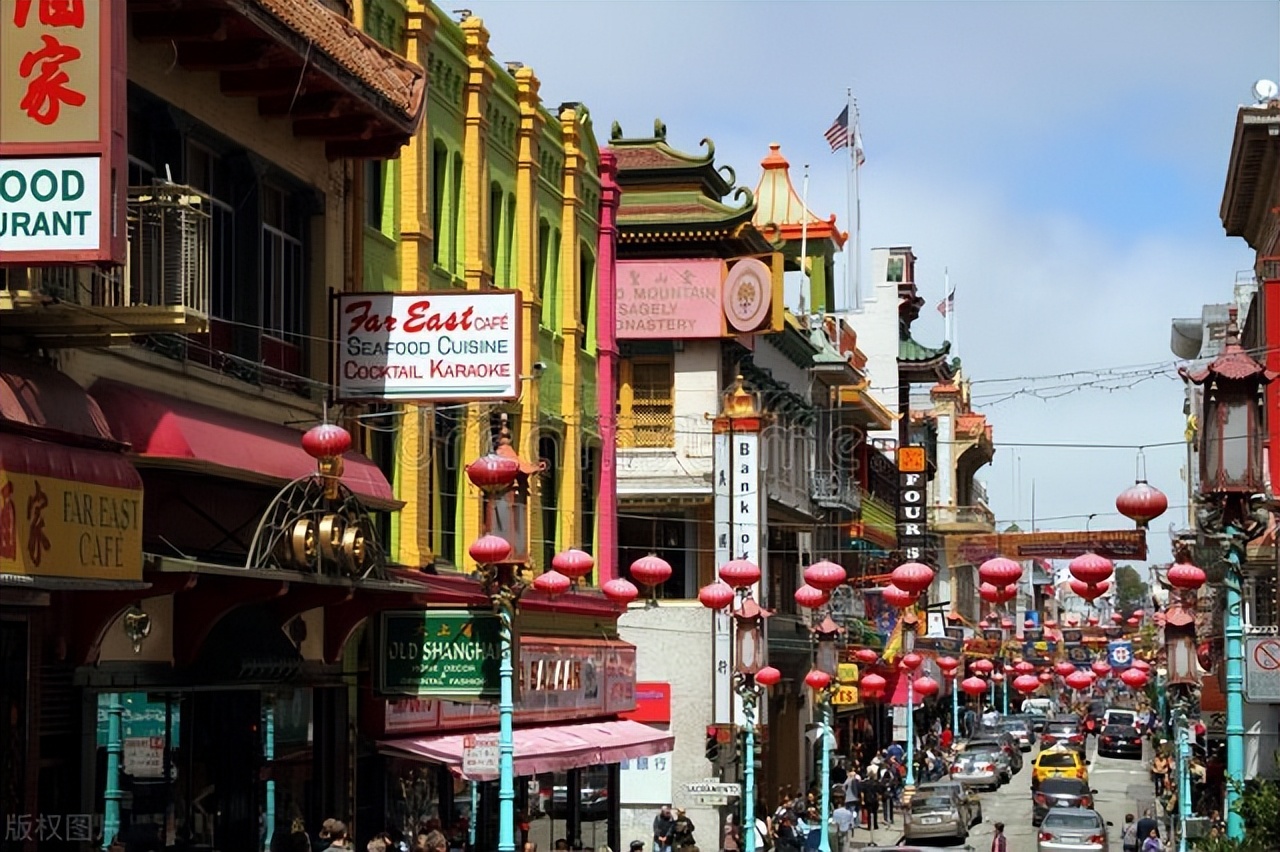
point(452, 654)
point(455, 346)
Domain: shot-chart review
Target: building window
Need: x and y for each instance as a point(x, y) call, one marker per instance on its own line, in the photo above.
point(648, 415)
point(895, 271)
point(374, 175)
point(586, 289)
point(446, 448)
point(283, 282)
point(495, 234)
point(439, 183)
point(208, 172)
point(549, 453)
point(544, 247)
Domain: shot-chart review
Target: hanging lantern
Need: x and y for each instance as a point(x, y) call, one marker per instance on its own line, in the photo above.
point(1026, 683)
point(910, 662)
point(552, 583)
point(1051, 623)
point(1000, 572)
point(620, 590)
point(924, 686)
point(651, 570)
point(1079, 680)
point(912, 577)
point(872, 686)
point(1093, 621)
point(1029, 624)
point(1138, 613)
point(817, 680)
point(983, 667)
point(768, 676)
point(740, 573)
point(998, 677)
point(573, 563)
point(1090, 591)
point(1022, 667)
point(1116, 618)
point(1134, 678)
point(973, 686)
point(811, 597)
point(493, 474)
point(948, 665)
point(1008, 593)
point(866, 656)
point(716, 595)
point(898, 598)
point(1141, 503)
point(1184, 575)
point(1046, 677)
point(1141, 664)
point(1133, 621)
point(1063, 668)
point(989, 593)
point(1101, 668)
point(1090, 568)
point(825, 576)
point(1006, 624)
point(489, 549)
point(326, 440)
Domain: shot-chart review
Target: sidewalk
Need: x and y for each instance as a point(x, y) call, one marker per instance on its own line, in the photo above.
point(886, 835)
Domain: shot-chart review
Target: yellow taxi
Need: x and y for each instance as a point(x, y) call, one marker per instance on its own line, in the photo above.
point(1058, 762)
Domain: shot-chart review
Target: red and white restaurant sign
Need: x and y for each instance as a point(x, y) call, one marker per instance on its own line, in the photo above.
point(63, 117)
point(456, 346)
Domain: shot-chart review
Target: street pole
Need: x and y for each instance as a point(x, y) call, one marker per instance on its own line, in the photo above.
point(268, 755)
point(1184, 780)
point(748, 694)
point(955, 705)
point(824, 837)
point(1004, 696)
point(1233, 628)
point(911, 733)
point(112, 794)
point(506, 736)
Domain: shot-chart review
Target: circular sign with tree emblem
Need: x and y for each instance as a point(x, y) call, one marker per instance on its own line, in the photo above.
point(748, 293)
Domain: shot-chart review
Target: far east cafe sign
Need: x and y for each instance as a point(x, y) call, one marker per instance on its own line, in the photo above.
point(63, 169)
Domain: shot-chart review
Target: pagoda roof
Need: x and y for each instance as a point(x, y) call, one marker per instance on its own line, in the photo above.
point(650, 160)
point(925, 363)
point(779, 207)
point(1233, 364)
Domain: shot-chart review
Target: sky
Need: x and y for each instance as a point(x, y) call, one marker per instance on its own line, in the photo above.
point(1064, 162)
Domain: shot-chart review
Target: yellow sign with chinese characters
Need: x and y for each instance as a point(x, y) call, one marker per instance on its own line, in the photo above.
point(844, 696)
point(60, 528)
point(845, 692)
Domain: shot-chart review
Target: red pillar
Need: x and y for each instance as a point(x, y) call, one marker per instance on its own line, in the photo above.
point(607, 369)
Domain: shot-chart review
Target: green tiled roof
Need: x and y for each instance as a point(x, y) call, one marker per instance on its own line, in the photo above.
point(683, 207)
point(914, 355)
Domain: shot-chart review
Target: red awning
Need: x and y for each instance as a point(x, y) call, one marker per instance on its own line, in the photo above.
point(20, 454)
point(166, 431)
point(554, 748)
point(44, 403)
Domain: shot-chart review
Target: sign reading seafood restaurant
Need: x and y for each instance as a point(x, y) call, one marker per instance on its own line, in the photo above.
point(434, 346)
point(450, 654)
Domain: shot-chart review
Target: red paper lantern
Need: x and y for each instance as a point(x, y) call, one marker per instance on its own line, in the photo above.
point(573, 563)
point(1090, 591)
point(1139, 663)
point(489, 549)
point(924, 686)
point(326, 440)
point(898, 598)
point(983, 667)
point(911, 661)
point(552, 583)
point(1138, 613)
point(1063, 668)
point(998, 677)
point(1101, 668)
point(1184, 575)
point(811, 597)
point(973, 686)
point(1090, 568)
point(989, 593)
point(651, 570)
point(740, 573)
point(1133, 621)
point(1050, 623)
point(1093, 621)
point(768, 676)
point(620, 590)
point(817, 679)
point(872, 686)
point(1029, 624)
point(912, 577)
point(1116, 618)
point(1046, 677)
point(1079, 680)
point(1026, 684)
point(866, 656)
point(1022, 667)
point(493, 473)
point(1008, 593)
point(1142, 503)
point(1006, 624)
point(1000, 572)
point(1134, 678)
point(716, 595)
point(825, 576)
point(948, 665)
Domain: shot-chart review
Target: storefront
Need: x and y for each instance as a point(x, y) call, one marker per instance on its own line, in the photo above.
point(569, 741)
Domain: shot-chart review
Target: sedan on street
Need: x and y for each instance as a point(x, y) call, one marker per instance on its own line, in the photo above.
point(1059, 793)
point(967, 796)
point(1120, 741)
point(1021, 730)
point(935, 814)
point(977, 769)
point(1072, 830)
point(1062, 731)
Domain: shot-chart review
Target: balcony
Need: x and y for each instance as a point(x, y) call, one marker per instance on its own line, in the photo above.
point(961, 519)
point(833, 490)
point(163, 286)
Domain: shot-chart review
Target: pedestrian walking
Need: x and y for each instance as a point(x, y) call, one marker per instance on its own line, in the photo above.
point(1160, 772)
point(682, 831)
point(888, 790)
point(1153, 843)
point(1129, 835)
point(731, 835)
point(1146, 825)
point(871, 801)
point(664, 826)
point(999, 843)
point(844, 821)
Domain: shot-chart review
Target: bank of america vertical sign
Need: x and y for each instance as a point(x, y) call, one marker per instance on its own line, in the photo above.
point(912, 486)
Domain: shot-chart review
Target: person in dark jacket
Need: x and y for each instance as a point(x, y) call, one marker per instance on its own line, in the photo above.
point(664, 826)
point(1146, 825)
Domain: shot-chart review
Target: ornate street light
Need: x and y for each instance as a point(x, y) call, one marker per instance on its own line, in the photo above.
point(948, 666)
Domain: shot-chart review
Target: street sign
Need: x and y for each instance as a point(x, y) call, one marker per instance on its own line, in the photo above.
point(712, 787)
point(710, 800)
point(451, 654)
point(1262, 670)
point(1120, 654)
point(480, 755)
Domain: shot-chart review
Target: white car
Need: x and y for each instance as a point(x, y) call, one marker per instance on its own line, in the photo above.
point(1073, 830)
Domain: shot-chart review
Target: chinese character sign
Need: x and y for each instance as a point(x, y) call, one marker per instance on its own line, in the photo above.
point(50, 72)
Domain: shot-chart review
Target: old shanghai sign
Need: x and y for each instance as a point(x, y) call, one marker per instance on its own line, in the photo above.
point(62, 131)
point(451, 654)
point(435, 346)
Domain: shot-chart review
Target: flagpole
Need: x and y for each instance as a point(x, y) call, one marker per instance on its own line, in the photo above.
point(946, 302)
point(804, 243)
point(857, 201)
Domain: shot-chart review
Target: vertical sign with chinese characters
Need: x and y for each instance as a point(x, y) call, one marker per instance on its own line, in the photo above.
point(63, 177)
point(912, 485)
point(722, 699)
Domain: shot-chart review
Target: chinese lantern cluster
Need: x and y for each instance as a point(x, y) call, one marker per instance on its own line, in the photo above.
point(1091, 574)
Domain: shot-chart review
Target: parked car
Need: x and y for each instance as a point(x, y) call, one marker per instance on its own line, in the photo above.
point(1021, 730)
point(971, 800)
point(1002, 740)
point(1120, 741)
point(933, 814)
point(1059, 793)
point(978, 768)
point(1058, 763)
point(1073, 830)
point(1062, 731)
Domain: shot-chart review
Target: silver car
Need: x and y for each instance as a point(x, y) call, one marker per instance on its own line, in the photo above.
point(935, 814)
point(977, 769)
point(1073, 830)
point(967, 796)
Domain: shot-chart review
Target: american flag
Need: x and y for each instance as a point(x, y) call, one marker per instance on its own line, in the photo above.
point(948, 304)
point(838, 133)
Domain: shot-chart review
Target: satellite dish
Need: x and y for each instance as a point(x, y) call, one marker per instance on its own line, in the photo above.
point(1265, 90)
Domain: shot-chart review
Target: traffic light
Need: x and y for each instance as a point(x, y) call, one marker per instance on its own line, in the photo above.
point(713, 748)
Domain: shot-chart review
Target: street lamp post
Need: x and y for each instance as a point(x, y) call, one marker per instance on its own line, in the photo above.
point(948, 666)
point(821, 579)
